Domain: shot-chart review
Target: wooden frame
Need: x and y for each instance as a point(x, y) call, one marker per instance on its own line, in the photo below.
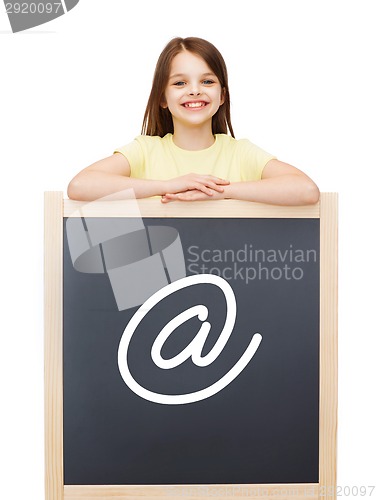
point(55, 209)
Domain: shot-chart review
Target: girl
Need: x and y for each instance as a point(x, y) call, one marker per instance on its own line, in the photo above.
point(185, 152)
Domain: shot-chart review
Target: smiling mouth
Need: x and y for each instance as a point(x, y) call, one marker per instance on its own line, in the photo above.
point(195, 104)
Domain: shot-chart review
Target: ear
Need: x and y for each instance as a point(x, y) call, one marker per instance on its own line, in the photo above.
point(223, 96)
point(163, 103)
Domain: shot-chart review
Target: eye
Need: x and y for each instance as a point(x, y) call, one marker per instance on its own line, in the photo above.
point(179, 84)
point(208, 82)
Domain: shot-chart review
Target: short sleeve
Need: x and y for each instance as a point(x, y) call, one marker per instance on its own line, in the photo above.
point(134, 154)
point(252, 160)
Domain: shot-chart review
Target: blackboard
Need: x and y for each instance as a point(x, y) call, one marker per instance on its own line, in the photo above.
point(263, 426)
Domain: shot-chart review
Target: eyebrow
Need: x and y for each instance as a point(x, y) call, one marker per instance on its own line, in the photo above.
point(180, 75)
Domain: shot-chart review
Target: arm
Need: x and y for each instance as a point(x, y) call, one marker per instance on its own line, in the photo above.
point(112, 175)
point(108, 176)
point(281, 184)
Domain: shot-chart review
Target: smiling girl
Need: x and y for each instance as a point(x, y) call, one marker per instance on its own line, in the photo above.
point(185, 152)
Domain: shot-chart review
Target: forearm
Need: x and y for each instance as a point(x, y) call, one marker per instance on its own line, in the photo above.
point(289, 189)
point(93, 185)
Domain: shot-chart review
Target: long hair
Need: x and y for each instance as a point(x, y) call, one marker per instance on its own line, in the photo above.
point(158, 120)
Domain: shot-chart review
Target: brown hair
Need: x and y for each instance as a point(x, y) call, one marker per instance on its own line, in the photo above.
point(158, 120)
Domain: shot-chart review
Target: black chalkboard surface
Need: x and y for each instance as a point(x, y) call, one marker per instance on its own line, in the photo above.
point(263, 427)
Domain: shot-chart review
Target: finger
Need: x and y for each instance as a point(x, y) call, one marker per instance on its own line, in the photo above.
point(184, 196)
point(166, 199)
point(211, 185)
point(217, 187)
point(204, 189)
point(217, 180)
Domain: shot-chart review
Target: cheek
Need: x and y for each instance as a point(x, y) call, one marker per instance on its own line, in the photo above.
point(218, 98)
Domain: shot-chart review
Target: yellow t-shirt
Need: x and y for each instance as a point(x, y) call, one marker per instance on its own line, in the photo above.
point(158, 158)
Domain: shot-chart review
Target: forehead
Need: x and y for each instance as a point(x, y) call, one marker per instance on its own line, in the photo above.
point(186, 63)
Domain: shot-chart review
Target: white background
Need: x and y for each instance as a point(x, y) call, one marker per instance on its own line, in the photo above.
point(302, 81)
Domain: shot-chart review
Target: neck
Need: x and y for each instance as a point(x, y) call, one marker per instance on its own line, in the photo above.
point(193, 138)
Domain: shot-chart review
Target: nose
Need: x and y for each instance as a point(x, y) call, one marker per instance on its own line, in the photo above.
point(194, 90)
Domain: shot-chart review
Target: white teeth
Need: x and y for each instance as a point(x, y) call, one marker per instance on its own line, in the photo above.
point(194, 104)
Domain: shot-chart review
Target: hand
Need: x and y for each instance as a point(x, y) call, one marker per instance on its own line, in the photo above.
point(207, 184)
point(191, 195)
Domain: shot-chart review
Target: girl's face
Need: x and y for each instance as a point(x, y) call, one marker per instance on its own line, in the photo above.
point(193, 93)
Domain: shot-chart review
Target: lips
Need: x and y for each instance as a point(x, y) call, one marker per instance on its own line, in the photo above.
point(194, 104)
